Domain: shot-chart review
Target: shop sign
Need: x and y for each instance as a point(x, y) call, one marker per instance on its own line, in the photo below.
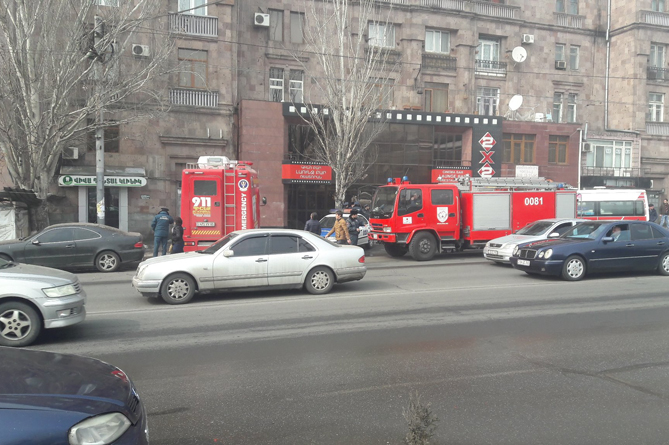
point(527, 171)
point(449, 174)
point(306, 173)
point(91, 181)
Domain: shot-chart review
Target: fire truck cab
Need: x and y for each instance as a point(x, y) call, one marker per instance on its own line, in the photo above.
point(425, 219)
point(218, 196)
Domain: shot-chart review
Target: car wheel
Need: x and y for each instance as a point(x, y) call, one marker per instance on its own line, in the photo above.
point(423, 247)
point(664, 264)
point(319, 281)
point(19, 324)
point(573, 269)
point(178, 289)
point(395, 250)
point(107, 261)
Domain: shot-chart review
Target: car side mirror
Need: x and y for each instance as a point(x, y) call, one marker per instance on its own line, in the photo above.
point(263, 201)
point(554, 235)
point(607, 239)
point(228, 253)
point(36, 242)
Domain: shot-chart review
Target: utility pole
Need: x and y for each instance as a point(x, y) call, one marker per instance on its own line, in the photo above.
point(99, 129)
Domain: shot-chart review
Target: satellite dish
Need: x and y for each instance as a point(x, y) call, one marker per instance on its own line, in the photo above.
point(515, 102)
point(519, 54)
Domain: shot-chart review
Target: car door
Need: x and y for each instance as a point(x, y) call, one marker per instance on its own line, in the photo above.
point(247, 267)
point(616, 254)
point(53, 248)
point(647, 248)
point(87, 243)
point(363, 236)
point(290, 256)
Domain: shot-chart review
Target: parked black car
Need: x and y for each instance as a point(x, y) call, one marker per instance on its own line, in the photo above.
point(597, 246)
point(62, 399)
point(76, 245)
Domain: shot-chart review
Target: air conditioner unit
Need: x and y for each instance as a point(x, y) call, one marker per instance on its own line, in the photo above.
point(261, 19)
point(528, 38)
point(71, 153)
point(141, 50)
point(560, 64)
point(587, 148)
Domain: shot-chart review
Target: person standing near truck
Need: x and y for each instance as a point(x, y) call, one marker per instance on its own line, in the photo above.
point(161, 230)
point(340, 229)
point(353, 224)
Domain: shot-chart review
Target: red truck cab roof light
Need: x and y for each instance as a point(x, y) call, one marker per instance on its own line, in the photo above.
point(402, 180)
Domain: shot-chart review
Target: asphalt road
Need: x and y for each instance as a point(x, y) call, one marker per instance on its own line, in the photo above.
point(502, 357)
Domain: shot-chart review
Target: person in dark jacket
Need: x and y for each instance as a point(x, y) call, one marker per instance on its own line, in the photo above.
point(178, 236)
point(652, 213)
point(161, 230)
point(313, 225)
point(353, 226)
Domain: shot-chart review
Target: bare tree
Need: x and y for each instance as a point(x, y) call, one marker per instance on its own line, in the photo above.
point(58, 70)
point(350, 59)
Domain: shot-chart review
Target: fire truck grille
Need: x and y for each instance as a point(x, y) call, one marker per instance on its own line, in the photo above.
point(495, 245)
point(377, 226)
point(527, 253)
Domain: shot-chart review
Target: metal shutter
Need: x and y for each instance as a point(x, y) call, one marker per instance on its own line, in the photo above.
point(565, 205)
point(492, 211)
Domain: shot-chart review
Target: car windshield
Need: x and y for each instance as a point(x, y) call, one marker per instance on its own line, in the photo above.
point(327, 222)
point(536, 228)
point(220, 243)
point(589, 230)
point(383, 204)
point(4, 264)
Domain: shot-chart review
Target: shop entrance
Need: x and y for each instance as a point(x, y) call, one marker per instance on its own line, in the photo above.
point(306, 198)
point(111, 206)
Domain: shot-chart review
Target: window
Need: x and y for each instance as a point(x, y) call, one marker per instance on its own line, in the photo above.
point(641, 231)
point(276, 84)
point(296, 27)
point(80, 234)
point(570, 5)
point(442, 197)
point(573, 57)
point(488, 50)
point(56, 235)
point(571, 107)
point(559, 51)
point(411, 200)
point(276, 25)
point(251, 246)
point(557, 149)
point(557, 107)
point(203, 187)
point(383, 92)
point(193, 65)
point(295, 86)
point(382, 35)
point(436, 97)
point(437, 41)
point(283, 244)
point(195, 7)
point(111, 135)
point(610, 154)
point(656, 58)
point(519, 148)
point(655, 107)
point(447, 149)
point(657, 5)
point(487, 101)
point(304, 246)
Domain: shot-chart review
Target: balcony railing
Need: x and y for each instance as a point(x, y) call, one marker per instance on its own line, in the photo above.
point(439, 62)
point(657, 73)
point(194, 98)
point(615, 171)
point(456, 5)
point(490, 68)
point(654, 18)
point(657, 128)
point(477, 7)
point(568, 20)
point(196, 25)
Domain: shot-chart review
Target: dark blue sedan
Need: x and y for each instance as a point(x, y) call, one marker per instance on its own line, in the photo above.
point(597, 246)
point(61, 399)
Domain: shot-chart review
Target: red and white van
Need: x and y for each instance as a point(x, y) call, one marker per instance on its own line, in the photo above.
point(623, 204)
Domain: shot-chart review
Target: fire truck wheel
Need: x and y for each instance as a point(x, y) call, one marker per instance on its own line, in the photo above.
point(664, 264)
point(394, 250)
point(574, 268)
point(107, 261)
point(177, 289)
point(319, 280)
point(423, 246)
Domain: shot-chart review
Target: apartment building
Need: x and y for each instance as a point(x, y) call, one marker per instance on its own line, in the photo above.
point(570, 90)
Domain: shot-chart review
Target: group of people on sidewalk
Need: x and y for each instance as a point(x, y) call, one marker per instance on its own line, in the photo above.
point(161, 232)
point(664, 214)
point(346, 230)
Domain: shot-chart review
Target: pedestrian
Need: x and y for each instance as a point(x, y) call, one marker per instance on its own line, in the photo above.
point(664, 213)
point(177, 236)
point(340, 229)
point(313, 225)
point(652, 213)
point(161, 230)
point(353, 224)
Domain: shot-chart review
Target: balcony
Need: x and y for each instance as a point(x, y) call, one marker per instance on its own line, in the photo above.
point(620, 172)
point(194, 25)
point(477, 7)
point(490, 68)
point(654, 18)
point(568, 20)
point(194, 98)
point(657, 128)
point(438, 62)
point(657, 73)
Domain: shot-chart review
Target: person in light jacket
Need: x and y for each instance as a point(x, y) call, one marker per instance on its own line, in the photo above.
point(340, 229)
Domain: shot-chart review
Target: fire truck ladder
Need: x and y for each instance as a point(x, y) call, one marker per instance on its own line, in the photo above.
point(510, 184)
point(229, 201)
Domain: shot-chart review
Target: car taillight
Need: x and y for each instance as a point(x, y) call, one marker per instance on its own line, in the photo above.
point(362, 259)
point(139, 245)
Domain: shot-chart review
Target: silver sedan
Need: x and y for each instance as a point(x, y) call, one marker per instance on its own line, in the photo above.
point(251, 260)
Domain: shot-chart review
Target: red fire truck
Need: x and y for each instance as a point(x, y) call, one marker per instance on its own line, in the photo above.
point(218, 196)
point(425, 219)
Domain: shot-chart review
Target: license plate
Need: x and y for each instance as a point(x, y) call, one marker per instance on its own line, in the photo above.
point(205, 224)
point(492, 252)
point(523, 263)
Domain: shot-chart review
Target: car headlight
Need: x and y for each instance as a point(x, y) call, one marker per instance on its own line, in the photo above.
point(140, 271)
point(541, 254)
point(60, 291)
point(548, 253)
point(99, 430)
point(515, 250)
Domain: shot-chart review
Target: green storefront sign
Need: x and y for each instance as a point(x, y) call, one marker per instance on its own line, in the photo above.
point(110, 181)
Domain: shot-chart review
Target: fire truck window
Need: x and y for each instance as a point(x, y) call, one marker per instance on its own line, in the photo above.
point(442, 197)
point(283, 244)
point(204, 188)
point(251, 246)
point(411, 200)
point(305, 246)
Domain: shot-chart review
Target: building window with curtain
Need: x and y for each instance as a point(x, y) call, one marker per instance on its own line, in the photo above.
point(276, 84)
point(557, 149)
point(519, 148)
point(573, 57)
point(382, 35)
point(296, 86)
point(655, 107)
point(567, 6)
point(195, 7)
point(610, 157)
point(657, 5)
point(557, 107)
point(435, 96)
point(571, 107)
point(276, 25)
point(193, 68)
point(296, 27)
point(487, 101)
point(437, 41)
